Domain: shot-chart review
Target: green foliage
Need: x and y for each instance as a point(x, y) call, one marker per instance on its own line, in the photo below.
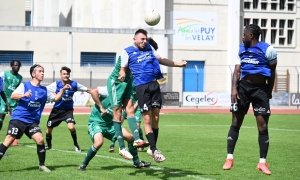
point(194, 146)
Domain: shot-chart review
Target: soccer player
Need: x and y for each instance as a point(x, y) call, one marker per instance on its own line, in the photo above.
point(25, 118)
point(138, 115)
point(11, 80)
point(119, 96)
point(252, 82)
point(63, 109)
point(100, 125)
point(138, 118)
point(143, 62)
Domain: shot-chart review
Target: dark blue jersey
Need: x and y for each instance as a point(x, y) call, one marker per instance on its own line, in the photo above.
point(29, 109)
point(143, 64)
point(257, 59)
point(66, 102)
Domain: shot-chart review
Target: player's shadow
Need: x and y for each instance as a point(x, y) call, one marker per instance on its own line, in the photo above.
point(35, 168)
point(162, 172)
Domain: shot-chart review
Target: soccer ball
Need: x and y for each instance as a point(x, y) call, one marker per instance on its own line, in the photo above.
point(152, 18)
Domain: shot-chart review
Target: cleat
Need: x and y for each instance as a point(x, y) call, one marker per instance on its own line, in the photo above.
point(140, 143)
point(158, 157)
point(81, 168)
point(77, 148)
point(264, 168)
point(125, 154)
point(142, 164)
point(111, 148)
point(228, 164)
point(44, 168)
point(149, 151)
point(15, 143)
point(48, 147)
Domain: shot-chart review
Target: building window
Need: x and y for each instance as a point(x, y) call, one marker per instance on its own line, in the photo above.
point(281, 4)
point(291, 7)
point(264, 6)
point(281, 41)
point(273, 36)
point(246, 5)
point(290, 36)
point(26, 57)
point(28, 18)
point(273, 22)
point(281, 27)
point(263, 35)
point(255, 21)
point(263, 22)
point(255, 4)
point(246, 22)
point(290, 23)
point(97, 59)
point(274, 6)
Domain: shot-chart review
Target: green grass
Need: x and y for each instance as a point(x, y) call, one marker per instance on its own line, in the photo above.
point(194, 145)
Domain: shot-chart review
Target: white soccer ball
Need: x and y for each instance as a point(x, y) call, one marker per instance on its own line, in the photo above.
point(152, 18)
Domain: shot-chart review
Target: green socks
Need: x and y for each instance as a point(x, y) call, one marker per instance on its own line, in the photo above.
point(89, 155)
point(134, 153)
point(119, 134)
point(133, 127)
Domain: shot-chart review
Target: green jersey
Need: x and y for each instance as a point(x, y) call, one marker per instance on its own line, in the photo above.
point(115, 72)
point(96, 116)
point(10, 83)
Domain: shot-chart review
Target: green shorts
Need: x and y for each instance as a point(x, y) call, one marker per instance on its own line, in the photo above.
point(107, 131)
point(3, 107)
point(138, 115)
point(117, 91)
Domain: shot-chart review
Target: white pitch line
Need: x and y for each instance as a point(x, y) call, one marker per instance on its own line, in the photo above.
point(126, 161)
point(216, 125)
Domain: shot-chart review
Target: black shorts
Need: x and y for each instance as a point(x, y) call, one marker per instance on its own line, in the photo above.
point(149, 96)
point(18, 128)
point(255, 94)
point(58, 115)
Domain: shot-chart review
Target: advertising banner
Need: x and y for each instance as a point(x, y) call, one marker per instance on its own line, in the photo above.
point(279, 99)
point(295, 99)
point(205, 99)
point(194, 28)
point(170, 98)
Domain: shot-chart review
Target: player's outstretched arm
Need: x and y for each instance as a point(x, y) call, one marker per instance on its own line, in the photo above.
point(167, 62)
point(95, 96)
point(271, 80)
point(59, 95)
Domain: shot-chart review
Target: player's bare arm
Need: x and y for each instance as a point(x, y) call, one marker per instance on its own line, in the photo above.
point(271, 80)
point(15, 96)
point(122, 74)
point(6, 102)
point(59, 95)
point(167, 62)
point(235, 79)
point(95, 96)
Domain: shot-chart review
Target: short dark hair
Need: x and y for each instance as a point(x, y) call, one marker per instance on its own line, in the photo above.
point(66, 69)
point(143, 31)
point(152, 43)
point(33, 68)
point(254, 29)
point(13, 62)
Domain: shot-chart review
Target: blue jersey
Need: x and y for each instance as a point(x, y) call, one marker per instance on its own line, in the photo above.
point(257, 59)
point(66, 102)
point(29, 110)
point(143, 64)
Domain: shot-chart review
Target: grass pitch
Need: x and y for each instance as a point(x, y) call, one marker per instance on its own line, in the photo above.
point(194, 146)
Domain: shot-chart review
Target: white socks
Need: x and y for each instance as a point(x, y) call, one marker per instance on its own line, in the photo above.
point(262, 160)
point(229, 156)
